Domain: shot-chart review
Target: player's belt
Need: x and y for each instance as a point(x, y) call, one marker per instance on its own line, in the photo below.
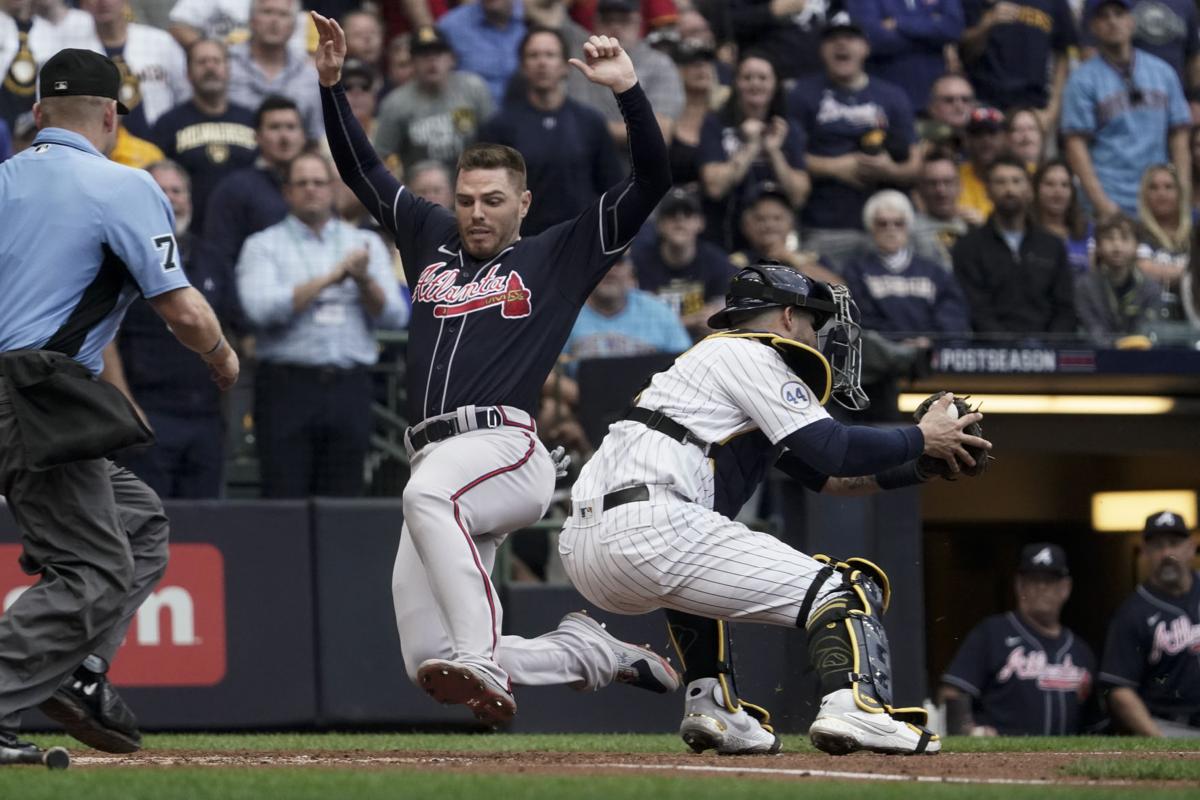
point(471, 418)
point(585, 510)
point(658, 421)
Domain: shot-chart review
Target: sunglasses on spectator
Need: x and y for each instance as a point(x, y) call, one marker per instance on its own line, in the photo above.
point(883, 222)
point(357, 86)
point(304, 183)
point(964, 99)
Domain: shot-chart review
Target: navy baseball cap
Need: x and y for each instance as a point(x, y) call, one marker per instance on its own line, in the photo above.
point(679, 201)
point(841, 22)
point(429, 40)
point(1043, 557)
point(1095, 5)
point(74, 73)
point(1164, 523)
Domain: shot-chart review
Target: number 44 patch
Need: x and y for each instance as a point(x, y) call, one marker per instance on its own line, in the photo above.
point(166, 247)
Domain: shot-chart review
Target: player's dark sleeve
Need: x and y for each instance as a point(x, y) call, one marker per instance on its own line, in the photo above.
point(968, 670)
point(1124, 661)
point(847, 451)
point(406, 216)
point(796, 469)
point(593, 241)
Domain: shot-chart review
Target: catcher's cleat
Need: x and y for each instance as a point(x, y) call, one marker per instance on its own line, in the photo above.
point(709, 725)
point(16, 751)
point(636, 666)
point(90, 710)
point(452, 682)
point(841, 727)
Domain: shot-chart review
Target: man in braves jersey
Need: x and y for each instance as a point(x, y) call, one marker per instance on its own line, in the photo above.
point(491, 311)
point(1023, 673)
point(1151, 667)
point(651, 527)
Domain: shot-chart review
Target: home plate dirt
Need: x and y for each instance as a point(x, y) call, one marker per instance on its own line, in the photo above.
point(996, 768)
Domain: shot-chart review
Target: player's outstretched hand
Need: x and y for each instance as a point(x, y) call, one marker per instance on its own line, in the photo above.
point(945, 437)
point(225, 368)
point(331, 49)
point(607, 64)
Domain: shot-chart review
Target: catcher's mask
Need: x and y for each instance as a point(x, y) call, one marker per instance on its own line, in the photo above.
point(770, 284)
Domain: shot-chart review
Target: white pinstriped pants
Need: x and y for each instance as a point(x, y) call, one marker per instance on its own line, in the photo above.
point(671, 553)
point(465, 495)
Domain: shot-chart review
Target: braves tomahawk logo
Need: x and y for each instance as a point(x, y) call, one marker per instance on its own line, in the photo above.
point(441, 288)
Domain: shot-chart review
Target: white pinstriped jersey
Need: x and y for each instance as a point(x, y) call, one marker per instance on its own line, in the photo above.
point(720, 388)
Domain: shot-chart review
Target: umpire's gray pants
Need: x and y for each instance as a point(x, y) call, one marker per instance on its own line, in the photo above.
point(98, 537)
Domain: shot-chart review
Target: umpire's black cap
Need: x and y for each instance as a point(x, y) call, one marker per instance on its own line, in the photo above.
point(1166, 523)
point(1045, 558)
point(72, 72)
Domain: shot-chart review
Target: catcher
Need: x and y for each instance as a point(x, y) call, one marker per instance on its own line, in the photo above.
point(651, 524)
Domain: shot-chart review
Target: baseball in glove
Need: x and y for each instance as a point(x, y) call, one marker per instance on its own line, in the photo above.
point(932, 467)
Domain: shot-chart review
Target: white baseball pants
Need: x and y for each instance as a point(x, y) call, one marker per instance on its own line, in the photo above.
point(465, 495)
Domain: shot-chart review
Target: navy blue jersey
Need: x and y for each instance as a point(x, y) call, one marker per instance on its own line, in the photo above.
point(838, 121)
point(569, 157)
point(1153, 646)
point(686, 288)
point(488, 332)
point(208, 146)
point(919, 297)
point(1012, 69)
point(1022, 683)
point(719, 141)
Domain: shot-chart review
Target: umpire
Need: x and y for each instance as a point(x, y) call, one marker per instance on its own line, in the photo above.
point(81, 238)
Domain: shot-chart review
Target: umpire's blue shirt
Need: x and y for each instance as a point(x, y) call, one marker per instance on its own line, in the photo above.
point(80, 238)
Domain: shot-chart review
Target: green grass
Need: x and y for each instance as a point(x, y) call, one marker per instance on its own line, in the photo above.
point(315, 784)
point(1141, 769)
point(1067, 744)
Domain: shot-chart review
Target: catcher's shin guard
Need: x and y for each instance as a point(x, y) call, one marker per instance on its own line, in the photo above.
point(704, 647)
point(847, 644)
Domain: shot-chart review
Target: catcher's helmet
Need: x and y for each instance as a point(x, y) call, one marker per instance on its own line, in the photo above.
point(770, 284)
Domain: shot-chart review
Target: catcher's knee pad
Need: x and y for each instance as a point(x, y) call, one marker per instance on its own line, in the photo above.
point(847, 644)
point(705, 650)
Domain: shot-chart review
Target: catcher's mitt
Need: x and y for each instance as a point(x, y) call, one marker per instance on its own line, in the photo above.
point(931, 467)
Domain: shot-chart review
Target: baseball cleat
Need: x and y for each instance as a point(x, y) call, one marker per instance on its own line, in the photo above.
point(16, 751)
point(451, 682)
point(636, 666)
point(841, 727)
point(90, 710)
point(709, 725)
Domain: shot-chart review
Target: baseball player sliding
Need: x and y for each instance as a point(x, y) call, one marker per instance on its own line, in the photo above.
point(491, 312)
point(647, 529)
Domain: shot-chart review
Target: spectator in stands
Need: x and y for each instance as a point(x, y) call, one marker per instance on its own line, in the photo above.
point(399, 63)
point(1115, 298)
point(153, 67)
point(60, 25)
point(621, 320)
point(314, 288)
point(1164, 234)
point(951, 100)
point(265, 65)
point(226, 20)
point(133, 151)
point(985, 140)
point(26, 41)
point(899, 293)
point(1056, 208)
point(745, 143)
point(175, 392)
point(361, 83)
point(788, 31)
point(909, 40)
point(207, 135)
point(1150, 673)
point(1025, 138)
point(860, 135)
point(568, 153)
point(364, 37)
point(431, 181)
point(1189, 286)
point(485, 37)
point(697, 70)
point(553, 15)
point(656, 14)
point(249, 199)
point(1023, 673)
point(1010, 47)
point(1168, 29)
point(656, 72)
point(769, 229)
point(690, 274)
point(941, 223)
point(1124, 110)
point(1015, 274)
point(437, 113)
